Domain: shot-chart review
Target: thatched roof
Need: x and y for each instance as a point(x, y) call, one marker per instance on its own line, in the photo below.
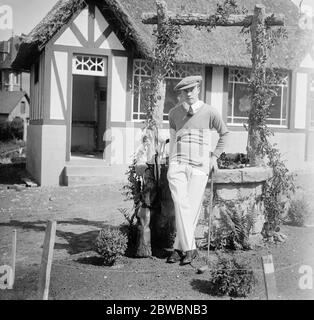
point(222, 46)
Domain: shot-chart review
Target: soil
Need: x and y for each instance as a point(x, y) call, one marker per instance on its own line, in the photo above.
point(77, 271)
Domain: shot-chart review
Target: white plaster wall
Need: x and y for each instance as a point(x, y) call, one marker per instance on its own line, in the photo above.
point(124, 142)
point(301, 100)
point(81, 22)
point(291, 146)
point(34, 151)
point(112, 42)
point(46, 153)
point(217, 88)
point(53, 154)
point(100, 24)
point(118, 88)
point(58, 96)
point(68, 38)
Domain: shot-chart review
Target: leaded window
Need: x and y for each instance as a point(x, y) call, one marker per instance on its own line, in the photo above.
point(89, 65)
point(142, 71)
point(239, 101)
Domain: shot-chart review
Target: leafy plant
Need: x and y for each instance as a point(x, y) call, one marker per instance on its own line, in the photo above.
point(234, 229)
point(17, 127)
point(298, 211)
point(232, 276)
point(129, 229)
point(281, 184)
point(111, 244)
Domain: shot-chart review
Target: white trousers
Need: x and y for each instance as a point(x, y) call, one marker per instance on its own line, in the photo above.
point(187, 186)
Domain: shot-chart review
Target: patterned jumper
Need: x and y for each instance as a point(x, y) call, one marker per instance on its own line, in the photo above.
point(192, 143)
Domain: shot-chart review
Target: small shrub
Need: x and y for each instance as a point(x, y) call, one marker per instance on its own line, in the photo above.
point(130, 230)
point(111, 244)
point(233, 277)
point(10, 130)
point(298, 212)
point(17, 127)
point(5, 131)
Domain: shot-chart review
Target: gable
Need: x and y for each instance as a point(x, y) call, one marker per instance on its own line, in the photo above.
point(308, 61)
point(88, 30)
point(9, 100)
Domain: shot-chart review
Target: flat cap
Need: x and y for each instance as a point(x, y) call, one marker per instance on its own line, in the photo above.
point(188, 82)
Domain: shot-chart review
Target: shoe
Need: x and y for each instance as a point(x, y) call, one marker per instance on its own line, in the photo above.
point(190, 256)
point(174, 257)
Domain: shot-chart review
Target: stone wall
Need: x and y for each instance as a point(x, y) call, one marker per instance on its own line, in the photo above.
point(240, 191)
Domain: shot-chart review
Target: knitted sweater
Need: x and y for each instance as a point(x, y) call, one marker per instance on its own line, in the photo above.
point(192, 143)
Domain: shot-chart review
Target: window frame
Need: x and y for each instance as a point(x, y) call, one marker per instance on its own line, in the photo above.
point(23, 107)
point(103, 64)
point(184, 65)
point(287, 76)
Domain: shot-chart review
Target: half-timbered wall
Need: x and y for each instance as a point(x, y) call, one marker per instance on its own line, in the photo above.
point(37, 82)
point(87, 34)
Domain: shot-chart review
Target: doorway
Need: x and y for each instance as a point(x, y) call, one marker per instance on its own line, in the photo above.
point(89, 115)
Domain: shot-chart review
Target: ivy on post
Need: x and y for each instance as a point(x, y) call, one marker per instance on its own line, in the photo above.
point(159, 68)
point(258, 74)
point(152, 213)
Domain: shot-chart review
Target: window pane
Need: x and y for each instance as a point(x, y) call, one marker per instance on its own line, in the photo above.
point(284, 102)
point(241, 100)
point(135, 95)
point(230, 97)
point(144, 91)
point(171, 98)
point(275, 105)
point(23, 107)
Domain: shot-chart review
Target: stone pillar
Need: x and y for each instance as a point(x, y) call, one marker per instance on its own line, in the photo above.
point(240, 191)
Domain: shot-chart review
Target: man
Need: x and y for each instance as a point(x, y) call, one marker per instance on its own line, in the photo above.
point(190, 161)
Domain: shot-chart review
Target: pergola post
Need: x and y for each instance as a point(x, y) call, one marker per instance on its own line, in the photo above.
point(259, 57)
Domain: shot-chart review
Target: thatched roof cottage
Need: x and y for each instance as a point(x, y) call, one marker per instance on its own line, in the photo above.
point(87, 59)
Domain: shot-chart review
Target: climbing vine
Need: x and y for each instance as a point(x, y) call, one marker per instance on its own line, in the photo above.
point(162, 64)
point(262, 84)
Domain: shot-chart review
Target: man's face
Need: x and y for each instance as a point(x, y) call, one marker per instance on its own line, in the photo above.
point(190, 95)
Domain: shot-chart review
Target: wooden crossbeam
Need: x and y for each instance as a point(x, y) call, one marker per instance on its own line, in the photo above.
point(197, 19)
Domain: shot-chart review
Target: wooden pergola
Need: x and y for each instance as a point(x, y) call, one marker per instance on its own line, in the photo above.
point(258, 22)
